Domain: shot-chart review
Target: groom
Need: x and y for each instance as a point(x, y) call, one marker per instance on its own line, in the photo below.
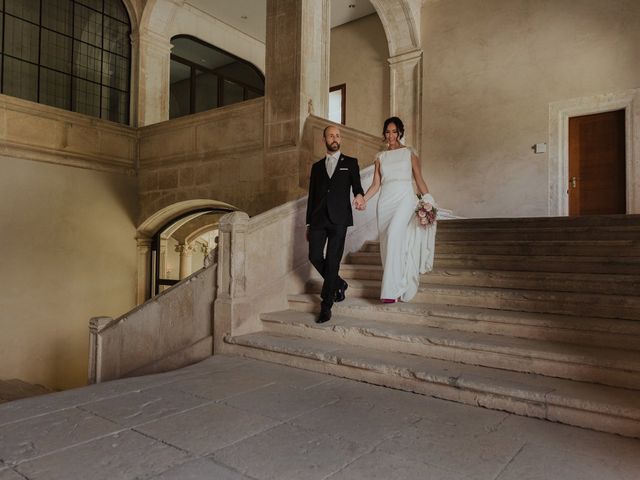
point(329, 214)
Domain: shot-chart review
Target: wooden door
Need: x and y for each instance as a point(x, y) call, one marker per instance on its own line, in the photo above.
point(597, 164)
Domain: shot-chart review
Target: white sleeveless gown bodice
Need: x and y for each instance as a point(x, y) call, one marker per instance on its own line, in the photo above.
point(406, 248)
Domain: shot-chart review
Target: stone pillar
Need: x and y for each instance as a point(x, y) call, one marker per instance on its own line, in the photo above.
point(231, 304)
point(297, 81)
point(186, 254)
point(406, 94)
point(143, 291)
point(153, 77)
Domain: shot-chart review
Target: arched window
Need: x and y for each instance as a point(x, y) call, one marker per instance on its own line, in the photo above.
point(71, 54)
point(205, 77)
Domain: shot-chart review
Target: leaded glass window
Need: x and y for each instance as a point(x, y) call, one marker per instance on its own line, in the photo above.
point(71, 54)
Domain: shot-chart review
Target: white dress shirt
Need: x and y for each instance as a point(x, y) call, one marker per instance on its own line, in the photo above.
point(331, 161)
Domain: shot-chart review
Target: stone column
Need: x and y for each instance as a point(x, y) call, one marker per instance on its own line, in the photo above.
point(162, 252)
point(144, 271)
point(153, 77)
point(406, 94)
point(297, 81)
point(186, 254)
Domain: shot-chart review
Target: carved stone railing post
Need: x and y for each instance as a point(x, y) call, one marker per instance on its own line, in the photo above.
point(96, 326)
point(231, 302)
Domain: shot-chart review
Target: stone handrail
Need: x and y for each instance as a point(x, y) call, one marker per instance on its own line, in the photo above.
point(169, 331)
point(265, 258)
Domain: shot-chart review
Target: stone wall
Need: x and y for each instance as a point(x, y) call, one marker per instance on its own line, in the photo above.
point(492, 70)
point(366, 74)
point(212, 155)
point(67, 217)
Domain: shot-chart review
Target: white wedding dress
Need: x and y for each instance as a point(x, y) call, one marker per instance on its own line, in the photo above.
point(406, 248)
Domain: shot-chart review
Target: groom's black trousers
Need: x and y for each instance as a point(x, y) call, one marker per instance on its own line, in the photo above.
point(327, 265)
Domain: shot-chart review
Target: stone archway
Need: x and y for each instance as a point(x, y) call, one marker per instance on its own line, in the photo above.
point(164, 19)
point(149, 227)
point(401, 22)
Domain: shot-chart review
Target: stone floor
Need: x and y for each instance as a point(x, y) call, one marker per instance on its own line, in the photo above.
point(233, 418)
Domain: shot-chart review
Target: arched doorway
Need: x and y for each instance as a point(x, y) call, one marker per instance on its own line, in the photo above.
point(175, 242)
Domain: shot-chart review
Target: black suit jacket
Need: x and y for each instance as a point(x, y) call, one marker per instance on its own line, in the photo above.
point(329, 202)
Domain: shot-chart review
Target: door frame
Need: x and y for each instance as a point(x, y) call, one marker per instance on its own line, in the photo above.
point(559, 114)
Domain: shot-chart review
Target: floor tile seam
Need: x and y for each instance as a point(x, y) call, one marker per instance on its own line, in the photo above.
point(371, 450)
point(277, 422)
point(14, 471)
point(190, 455)
point(173, 414)
point(13, 422)
point(222, 399)
point(503, 469)
point(68, 447)
point(342, 437)
point(315, 385)
point(422, 462)
point(229, 467)
point(233, 444)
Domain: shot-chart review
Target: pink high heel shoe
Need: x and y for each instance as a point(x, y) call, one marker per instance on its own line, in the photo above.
point(388, 300)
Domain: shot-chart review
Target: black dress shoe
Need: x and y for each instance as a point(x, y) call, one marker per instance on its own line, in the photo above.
point(325, 316)
point(340, 292)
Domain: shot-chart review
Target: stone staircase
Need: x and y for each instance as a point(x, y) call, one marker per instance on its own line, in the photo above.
point(539, 317)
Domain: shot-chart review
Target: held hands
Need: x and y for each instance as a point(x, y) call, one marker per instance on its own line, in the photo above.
point(359, 202)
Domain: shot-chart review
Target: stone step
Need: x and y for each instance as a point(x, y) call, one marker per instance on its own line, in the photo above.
point(526, 263)
point(614, 367)
point(579, 330)
point(481, 233)
point(15, 389)
point(563, 303)
point(585, 222)
point(609, 248)
point(556, 281)
point(609, 409)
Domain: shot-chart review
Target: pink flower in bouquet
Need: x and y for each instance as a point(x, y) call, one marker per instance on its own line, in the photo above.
point(426, 213)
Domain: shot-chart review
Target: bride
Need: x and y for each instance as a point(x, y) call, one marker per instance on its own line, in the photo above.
point(406, 247)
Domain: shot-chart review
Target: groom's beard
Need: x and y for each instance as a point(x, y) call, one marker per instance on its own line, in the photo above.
point(332, 147)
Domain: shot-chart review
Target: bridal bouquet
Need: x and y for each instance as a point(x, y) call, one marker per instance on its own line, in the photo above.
point(426, 213)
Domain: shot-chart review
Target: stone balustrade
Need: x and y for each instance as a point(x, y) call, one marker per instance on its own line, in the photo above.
point(169, 331)
point(42, 133)
point(265, 258)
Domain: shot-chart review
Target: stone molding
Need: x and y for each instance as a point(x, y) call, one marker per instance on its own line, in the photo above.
point(559, 114)
point(46, 134)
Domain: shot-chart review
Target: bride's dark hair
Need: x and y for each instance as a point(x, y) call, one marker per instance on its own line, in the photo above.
point(397, 122)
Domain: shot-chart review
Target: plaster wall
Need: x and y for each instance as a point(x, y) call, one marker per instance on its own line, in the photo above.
point(491, 69)
point(359, 54)
point(68, 254)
